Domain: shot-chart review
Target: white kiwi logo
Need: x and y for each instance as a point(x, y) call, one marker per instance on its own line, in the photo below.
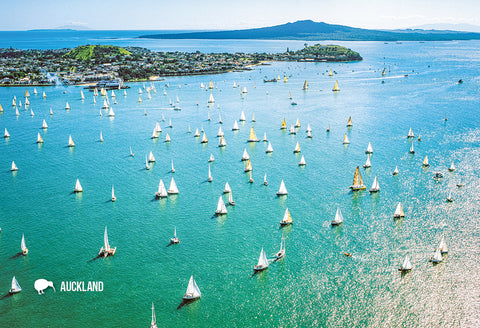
point(42, 284)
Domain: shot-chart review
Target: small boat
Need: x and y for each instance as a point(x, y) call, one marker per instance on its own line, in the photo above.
point(252, 137)
point(253, 117)
point(242, 117)
point(330, 73)
point(70, 141)
point(443, 245)
point(51, 111)
point(309, 135)
point(335, 87)
point(170, 123)
point(452, 167)
point(367, 164)
point(220, 132)
point(284, 125)
point(281, 252)
point(349, 122)
point(106, 250)
point(14, 104)
point(230, 199)
point(244, 90)
point(113, 94)
point(227, 188)
point(406, 265)
point(172, 189)
point(338, 217)
point(111, 113)
point(375, 185)
point(220, 119)
point(347, 254)
point(27, 94)
point(44, 94)
point(269, 148)
point(460, 185)
point(15, 287)
point(251, 177)
point(154, 134)
point(162, 191)
point(44, 125)
point(167, 138)
point(125, 93)
point(140, 91)
point(369, 149)
point(32, 114)
point(305, 85)
point(114, 198)
point(17, 113)
point(265, 137)
point(287, 218)
point(139, 99)
point(265, 182)
point(425, 161)
point(235, 126)
point(282, 190)
point(292, 130)
point(175, 239)
point(196, 134)
point(222, 142)
point(412, 151)
point(249, 167)
point(245, 156)
point(357, 181)
point(105, 104)
point(211, 100)
point(449, 198)
point(146, 163)
point(173, 168)
point(151, 158)
point(297, 148)
point(204, 138)
point(78, 187)
point(383, 72)
point(154, 318)
point(302, 161)
point(419, 138)
point(235, 84)
point(67, 106)
point(23, 246)
point(399, 212)
point(221, 208)
point(345, 139)
point(189, 130)
point(101, 136)
point(395, 172)
point(14, 167)
point(410, 133)
point(193, 292)
point(437, 175)
point(262, 262)
point(210, 178)
point(211, 159)
point(6, 134)
point(39, 138)
point(437, 256)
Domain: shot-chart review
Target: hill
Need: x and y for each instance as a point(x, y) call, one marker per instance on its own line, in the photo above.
point(96, 52)
point(310, 30)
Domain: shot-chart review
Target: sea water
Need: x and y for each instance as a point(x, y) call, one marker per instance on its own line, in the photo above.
point(315, 284)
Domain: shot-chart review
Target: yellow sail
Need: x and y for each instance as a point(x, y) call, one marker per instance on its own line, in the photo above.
point(284, 124)
point(357, 180)
point(253, 136)
point(349, 122)
point(26, 93)
point(330, 73)
point(305, 85)
point(210, 85)
point(286, 79)
point(278, 77)
point(249, 166)
point(336, 88)
point(287, 217)
point(139, 99)
point(383, 72)
point(1, 108)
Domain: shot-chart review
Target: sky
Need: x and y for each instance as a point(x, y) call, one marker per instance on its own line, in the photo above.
point(218, 14)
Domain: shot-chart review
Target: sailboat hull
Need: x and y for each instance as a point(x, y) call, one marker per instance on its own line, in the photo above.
point(355, 188)
point(259, 268)
point(14, 291)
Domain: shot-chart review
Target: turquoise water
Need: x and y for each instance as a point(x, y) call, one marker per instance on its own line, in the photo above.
point(314, 285)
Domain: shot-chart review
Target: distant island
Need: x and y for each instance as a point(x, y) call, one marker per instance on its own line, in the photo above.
point(310, 30)
point(93, 63)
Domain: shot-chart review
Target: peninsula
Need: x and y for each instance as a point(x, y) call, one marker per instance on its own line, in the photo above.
point(93, 63)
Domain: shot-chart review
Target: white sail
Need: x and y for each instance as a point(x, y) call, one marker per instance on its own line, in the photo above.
point(309, 129)
point(242, 116)
point(253, 117)
point(395, 172)
point(111, 112)
point(196, 134)
point(338, 217)
point(32, 113)
point(262, 260)
point(367, 163)
point(282, 190)
point(292, 130)
point(210, 178)
point(452, 167)
point(17, 113)
point(113, 94)
point(265, 182)
point(302, 161)
point(70, 141)
point(14, 167)
point(154, 134)
point(235, 126)
point(221, 208)
point(269, 148)
point(265, 136)
point(230, 199)
point(67, 106)
point(410, 133)
point(399, 211)
point(211, 100)
point(437, 256)
point(375, 185)
point(51, 111)
point(154, 318)
point(113, 194)
point(407, 265)
point(151, 158)
point(245, 156)
point(15, 286)
point(170, 123)
point(105, 104)
point(212, 158)
point(39, 138)
point(167, 138)
point(44, 125)
point(443, 245)
point(146, 163)
point(369, 149)
point(23, 246)
point(172, 189)
point(309, 134)
point(192, 290)
point(125, 93)
point(105, 240)
point(220, 132)
point(412, 151)
point(101, 136)
point(227, 188)
point(297, 148)
point(6, 134)
point(222, 142)
point(345, 139)
point(425, 161)
point(78, 186)
point(162, 191)
point(204, 138)
point(173, 168)
point(244, 90)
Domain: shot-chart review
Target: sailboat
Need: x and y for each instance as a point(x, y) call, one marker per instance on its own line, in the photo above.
point(227, 188)
point(193, 292)
point(249, 167)
point(425, 161)
point(406, 265)
point(32, 114)
point(230, 199)
point(14, 167)
point(412, 151)
point(383, 72)
point(345, 140)
point(305, 85)
point(282, 190)
point(101, 136)
point(124, 93)
point(262, 262)
point(26, 93)
point(335, 87)
point(175, 239)
point(222, 142)
point(290, 95)
point(452, 167)
point(105, 104)
point(210, 178)
point(23, 246)
point(44, 94)
point(245, 156)
point(395, 172)
point(44, 125)
point(114, 198)
point(78, 187)
point(252, 137)
point(161, 192)
point(14, 104)
point(146, 163)
point(369, 149)
point(39, 138)
point(51, 111)
point(338, 217)
point(170, 123)
point(253, 117)
point(357, 181)
point(220, 119)
point(154, 318)
point(211, 159)
point(15, 287)
point(399, 212)
point(443, 245)
point(449, 198)
point(204, 138)
point(437, 256)
point(367, 164)
point(244, 90)
point(131, 153)
point(309, 135)
point(235, 126)
point(67, 106)
point(172, 189)
point(292, 130)
point(330, 73)
point(265, 137)
point(284, 125)
point(221, 208)
point(106, 250)
point(220, 132)
point(17, 113)
point(154, 134)
point(111, 113)
point(287, 218)
point(196, 134)
point(281, 252)
point(375, 185)
point(410, 133)
point(349, 122)
point(151, 158)
point(139, 99)
point(302, 161)
point(297, 148)
point(6, 134)
point(211, 100)
point(265, 182)
point(173, 168)
point(70, 141)
point(167, 138)
point(242, 117)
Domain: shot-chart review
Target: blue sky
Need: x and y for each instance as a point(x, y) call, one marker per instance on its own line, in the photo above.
point(216, 14)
